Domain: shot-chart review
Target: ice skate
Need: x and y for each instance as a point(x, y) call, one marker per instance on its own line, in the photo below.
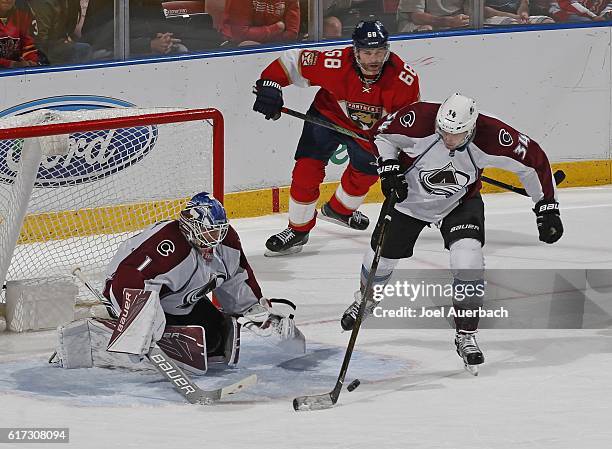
point(350, 314)
point(286, 242)
point(468, 350)
point(356, 220)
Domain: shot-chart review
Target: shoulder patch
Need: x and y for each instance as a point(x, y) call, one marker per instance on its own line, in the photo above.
point(505, 138)
point(166, 247)
point(308, 58)
point(408, 120)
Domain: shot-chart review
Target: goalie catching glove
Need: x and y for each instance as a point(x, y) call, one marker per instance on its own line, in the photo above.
point(264, 320)
point(549, 220)
point(269, 99)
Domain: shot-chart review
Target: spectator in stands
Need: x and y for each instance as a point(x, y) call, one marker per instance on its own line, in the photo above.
point(252, 22)
point(341, 16)
point(332, 28)
point(581, 10)
point(539, 8)
point(54, 25)
point(428, 15)
point(511, 12)
point(150, 32)
point(17, 48)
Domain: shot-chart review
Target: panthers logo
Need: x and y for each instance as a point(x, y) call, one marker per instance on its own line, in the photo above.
point(364, 116)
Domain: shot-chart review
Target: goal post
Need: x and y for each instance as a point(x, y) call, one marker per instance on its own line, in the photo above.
point(75, 184)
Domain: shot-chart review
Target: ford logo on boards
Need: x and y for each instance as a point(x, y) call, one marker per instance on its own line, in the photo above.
point(91, 155)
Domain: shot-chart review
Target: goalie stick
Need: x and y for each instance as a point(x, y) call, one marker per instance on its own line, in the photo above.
point(168, 368)
point(328, 400)
point(559, 175)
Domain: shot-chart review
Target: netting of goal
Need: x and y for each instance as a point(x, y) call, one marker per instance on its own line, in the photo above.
point(95, 177)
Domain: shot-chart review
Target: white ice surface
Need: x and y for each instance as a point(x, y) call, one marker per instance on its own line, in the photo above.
point(537, 389)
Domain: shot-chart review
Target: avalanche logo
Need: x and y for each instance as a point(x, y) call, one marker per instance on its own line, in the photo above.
point(165, 248)
point(505, 138)
point(408, 120)
point(194, 296)
point(91, 155)
point(444, 181)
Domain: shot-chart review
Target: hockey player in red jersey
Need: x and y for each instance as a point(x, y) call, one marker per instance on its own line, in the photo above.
point(159, 282)
point(431, 160)
point(359, 85)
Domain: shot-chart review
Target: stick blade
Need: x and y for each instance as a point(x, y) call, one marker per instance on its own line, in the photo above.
point(314, 402)
point(210, 397)
point(239, 386)
point(559, 176)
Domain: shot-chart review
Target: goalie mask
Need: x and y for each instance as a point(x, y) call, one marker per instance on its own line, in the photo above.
point(456, 121)
point(203, 221)
point(371, 47)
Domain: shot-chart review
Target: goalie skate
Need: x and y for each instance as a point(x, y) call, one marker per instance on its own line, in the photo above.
point(468, 350)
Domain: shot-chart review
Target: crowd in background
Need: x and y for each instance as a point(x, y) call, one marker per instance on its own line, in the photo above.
point(43, 32)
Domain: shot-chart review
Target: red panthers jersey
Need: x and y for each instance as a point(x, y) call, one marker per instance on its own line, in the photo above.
point(439, 179)
point(16, 41)
point(344, 98)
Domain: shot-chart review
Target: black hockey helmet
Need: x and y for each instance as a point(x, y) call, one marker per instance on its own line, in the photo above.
point(370, 34)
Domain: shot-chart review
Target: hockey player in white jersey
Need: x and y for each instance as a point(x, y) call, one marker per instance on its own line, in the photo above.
point(159, 283)
point(431, 159)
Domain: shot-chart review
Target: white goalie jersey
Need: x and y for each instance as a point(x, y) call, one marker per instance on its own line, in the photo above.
point(161, 257)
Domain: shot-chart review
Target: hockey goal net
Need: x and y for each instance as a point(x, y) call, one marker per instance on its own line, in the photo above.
point(75, 184)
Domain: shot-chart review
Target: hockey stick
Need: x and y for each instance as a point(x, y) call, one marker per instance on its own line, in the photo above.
point(328, 400)
point(559, 175)
point(168, 368)
point(324, 123)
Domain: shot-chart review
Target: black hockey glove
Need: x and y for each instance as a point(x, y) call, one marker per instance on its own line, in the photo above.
point(269, 99)
point(392, 179)
point(548, 220)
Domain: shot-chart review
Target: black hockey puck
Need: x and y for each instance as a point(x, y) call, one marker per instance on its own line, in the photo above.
point(354, 384)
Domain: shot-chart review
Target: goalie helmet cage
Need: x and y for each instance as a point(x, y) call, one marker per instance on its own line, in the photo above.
point(75, 184)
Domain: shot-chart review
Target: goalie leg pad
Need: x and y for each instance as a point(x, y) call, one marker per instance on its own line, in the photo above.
point(74, 345)
point(141, 322)
point(82, 344)
point(186, 345)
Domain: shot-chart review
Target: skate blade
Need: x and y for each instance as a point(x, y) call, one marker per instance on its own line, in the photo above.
point(287, 252)
point(472, 369)
point(333, 220)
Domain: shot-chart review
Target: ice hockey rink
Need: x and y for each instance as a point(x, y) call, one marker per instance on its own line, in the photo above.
point(538, 389)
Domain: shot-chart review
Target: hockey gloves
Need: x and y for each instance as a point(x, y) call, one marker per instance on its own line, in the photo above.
point(392, 179)
point(548, 220)
point(269, 99)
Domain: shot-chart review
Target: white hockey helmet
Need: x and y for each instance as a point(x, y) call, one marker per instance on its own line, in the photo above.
point(458, 114)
